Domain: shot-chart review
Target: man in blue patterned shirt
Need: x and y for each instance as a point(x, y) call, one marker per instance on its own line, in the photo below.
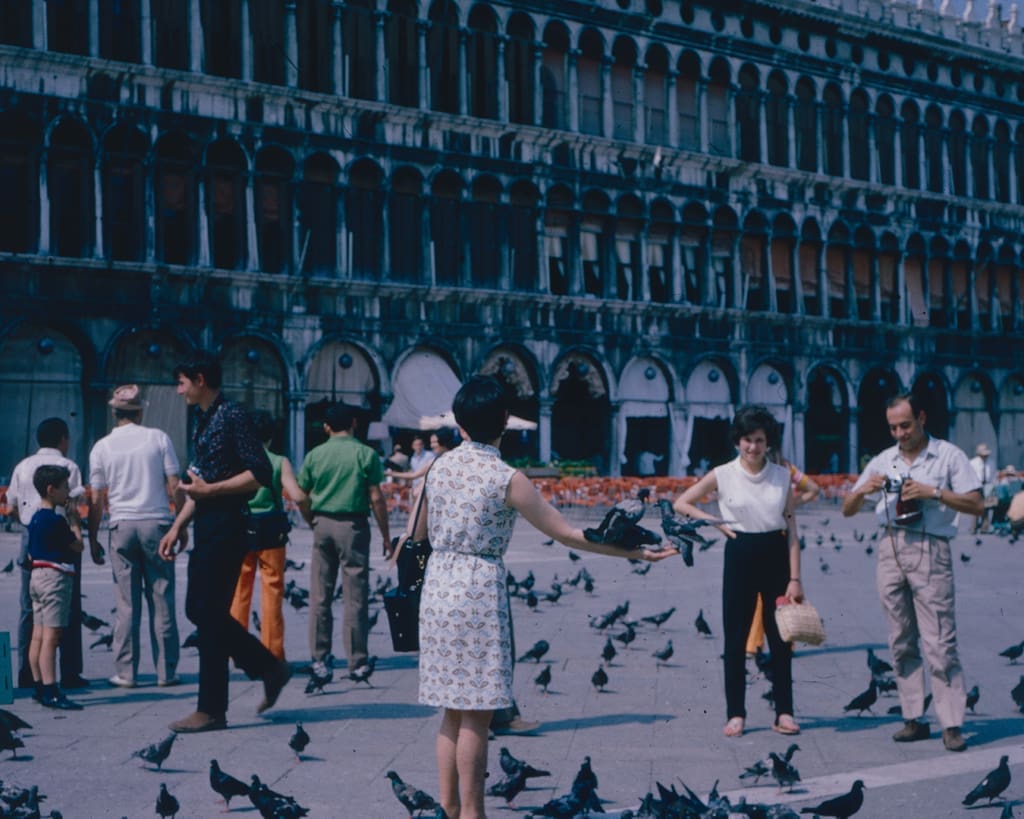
point(229, 465)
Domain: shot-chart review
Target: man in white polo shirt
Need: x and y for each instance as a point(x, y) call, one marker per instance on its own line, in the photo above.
point(922, 485)
point(53, 438)
point(134, 470)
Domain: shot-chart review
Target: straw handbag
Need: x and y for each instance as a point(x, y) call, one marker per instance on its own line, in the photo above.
point(799, 622)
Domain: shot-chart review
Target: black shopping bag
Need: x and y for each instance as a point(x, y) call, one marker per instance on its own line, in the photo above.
point(403, 610)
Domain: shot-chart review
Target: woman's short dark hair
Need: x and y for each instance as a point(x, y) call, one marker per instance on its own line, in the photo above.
point(201, 363)
point(752, 417)
point(448, 437)
point(481, 408)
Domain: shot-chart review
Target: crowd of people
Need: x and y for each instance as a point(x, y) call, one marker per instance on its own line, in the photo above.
point(230, 498)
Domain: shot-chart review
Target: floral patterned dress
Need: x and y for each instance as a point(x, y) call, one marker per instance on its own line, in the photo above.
point(465, 638)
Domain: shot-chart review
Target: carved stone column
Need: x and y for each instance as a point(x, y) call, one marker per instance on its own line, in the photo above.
point(639, 105)
point(463, 73)
point(291, 46)
point(381, 61)
point(607, 111)
point(338, 51)
point(502, 90)
point(538, 86)
point(672, 113)
point(94, 28)
point(195, 37)
point(544, 429)
point(422, 30)
point(246, 44)
point(572, 89)
point(145, 32)
point(39, 25)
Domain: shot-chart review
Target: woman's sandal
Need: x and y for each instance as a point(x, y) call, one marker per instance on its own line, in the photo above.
point(734, 727)
point(785, 724)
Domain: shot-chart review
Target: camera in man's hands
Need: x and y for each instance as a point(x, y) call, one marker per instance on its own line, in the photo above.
point(894, 486)
point(908, 512)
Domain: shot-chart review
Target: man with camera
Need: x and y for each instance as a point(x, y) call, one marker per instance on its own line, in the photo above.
point(922, 484)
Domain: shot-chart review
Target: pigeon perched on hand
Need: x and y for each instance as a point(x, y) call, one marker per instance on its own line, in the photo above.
point(156, 753)
point(619, 519)
point(166, 805)
point(682, 531)
point(992, 785)
point(841, 807)
point(535, 652)
point(225, 784)
point(298, 741)
point(413, 799)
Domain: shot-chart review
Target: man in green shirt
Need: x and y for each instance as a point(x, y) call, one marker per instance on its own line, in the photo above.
point(341, 479)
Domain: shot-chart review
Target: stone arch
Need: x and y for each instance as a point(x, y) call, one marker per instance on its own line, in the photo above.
point(124, 192)
point(339, 369)
point(876, 388)
point(932, 394)
point(70, 185)
point(974, 405)
point(827, 425)
point(770, 384)
point(1010, 442)
point(425, 381)
point(516, 368)
point(256, 375)
point(19, 166)
point(43, 371)
point(580, 389)
point(711, 390)
point(645, 422)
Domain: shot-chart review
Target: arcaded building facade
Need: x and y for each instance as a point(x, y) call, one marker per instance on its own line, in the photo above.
point(638, 213)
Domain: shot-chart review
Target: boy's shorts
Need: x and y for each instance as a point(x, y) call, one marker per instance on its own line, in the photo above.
point(50, 591)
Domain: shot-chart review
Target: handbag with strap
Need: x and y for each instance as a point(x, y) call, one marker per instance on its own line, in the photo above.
point(799, 622)
point(267, 530)
point(402, 603)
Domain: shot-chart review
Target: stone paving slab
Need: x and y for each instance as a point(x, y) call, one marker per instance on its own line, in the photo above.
point(650, 724)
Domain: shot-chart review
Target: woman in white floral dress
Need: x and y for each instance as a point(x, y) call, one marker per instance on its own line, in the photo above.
point(472, 498)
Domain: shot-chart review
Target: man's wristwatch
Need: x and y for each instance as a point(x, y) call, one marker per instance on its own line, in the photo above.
point(937, 494)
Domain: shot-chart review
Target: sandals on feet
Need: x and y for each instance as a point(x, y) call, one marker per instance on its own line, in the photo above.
point(785, 724)
point(734, 727)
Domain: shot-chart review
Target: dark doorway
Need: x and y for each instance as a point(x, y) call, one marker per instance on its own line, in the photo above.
point(931, 393)
point(709, 444)
point(872, 429)
point(827, 425)
point(647, 447)
point(579, 420)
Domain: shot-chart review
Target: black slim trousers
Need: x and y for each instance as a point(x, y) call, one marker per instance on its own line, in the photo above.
point(213, 567)
point(755, 563)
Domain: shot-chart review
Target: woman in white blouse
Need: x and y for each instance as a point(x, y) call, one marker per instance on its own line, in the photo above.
point(762, 556)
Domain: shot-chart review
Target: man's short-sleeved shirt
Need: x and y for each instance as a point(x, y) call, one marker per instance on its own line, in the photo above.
point(338, 474)
point(49, 542)
point(22, 493)
point(226, 444)
point(940, 464)
point(133, 463)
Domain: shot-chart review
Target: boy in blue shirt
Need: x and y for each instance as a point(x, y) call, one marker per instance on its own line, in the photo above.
point(52, 547)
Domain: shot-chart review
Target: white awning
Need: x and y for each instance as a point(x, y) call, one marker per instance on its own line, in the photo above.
point(424, 385)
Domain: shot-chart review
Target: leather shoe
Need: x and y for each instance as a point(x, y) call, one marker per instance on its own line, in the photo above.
point(517, 727)
point(953, 739)
point(198, 722)
point(274, 682)
point(912, 731)
point(60, 702)
point(71, 683)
